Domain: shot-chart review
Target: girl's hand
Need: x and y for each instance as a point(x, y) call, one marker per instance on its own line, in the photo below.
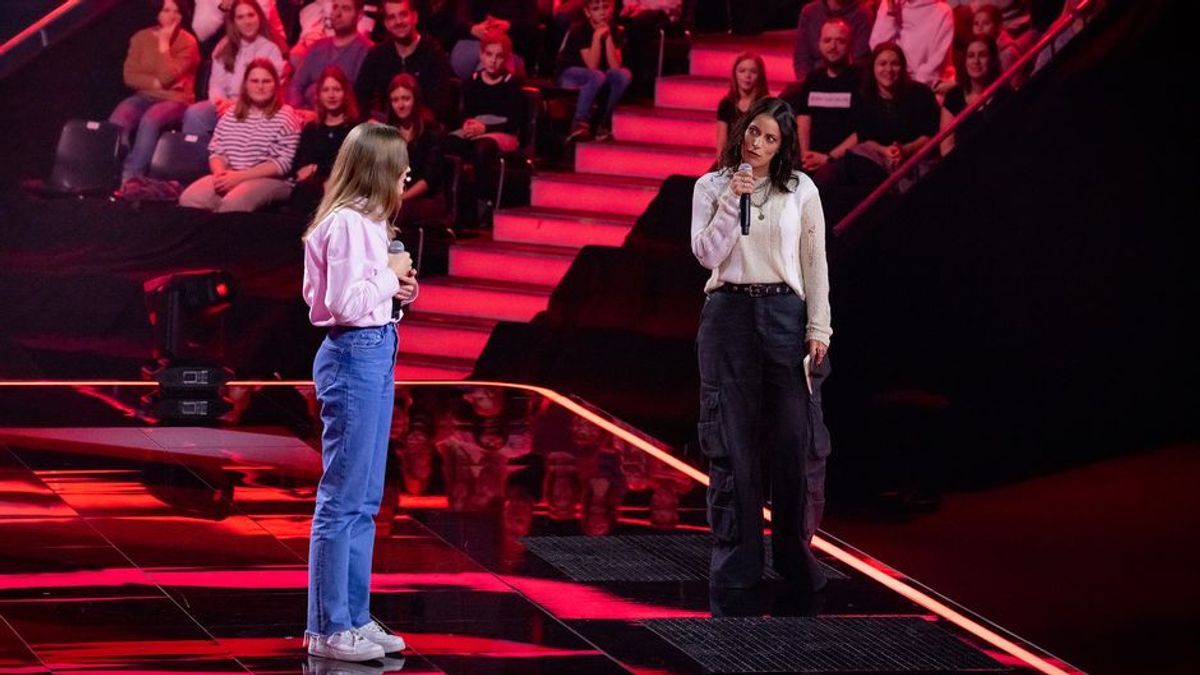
point(817, 351)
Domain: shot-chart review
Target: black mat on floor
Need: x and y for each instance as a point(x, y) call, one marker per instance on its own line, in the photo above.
point(821, 645)
point(665, 557)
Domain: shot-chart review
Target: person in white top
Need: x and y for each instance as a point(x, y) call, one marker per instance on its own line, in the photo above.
point(764, 333)
point(210, 18)
point(924, 29)
point(350, 281)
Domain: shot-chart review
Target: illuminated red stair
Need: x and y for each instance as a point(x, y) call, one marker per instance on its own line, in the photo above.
point(561, 227)
point(644, 160)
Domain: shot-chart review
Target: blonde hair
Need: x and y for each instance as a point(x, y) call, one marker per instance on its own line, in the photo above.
point(365, 174)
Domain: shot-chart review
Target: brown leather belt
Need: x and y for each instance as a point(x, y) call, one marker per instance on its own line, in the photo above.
point(755, 290)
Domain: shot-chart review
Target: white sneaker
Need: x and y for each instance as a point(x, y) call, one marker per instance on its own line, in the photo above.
point(347, 645)
point(379, 635)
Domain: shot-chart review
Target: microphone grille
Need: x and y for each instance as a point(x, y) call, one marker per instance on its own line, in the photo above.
point(395, 246)
point(745, 166)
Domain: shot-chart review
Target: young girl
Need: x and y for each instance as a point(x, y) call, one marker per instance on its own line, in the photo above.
point(337, 113)
point(747, 84)
point(417, 126)
point(349, 283)
point(251, 150)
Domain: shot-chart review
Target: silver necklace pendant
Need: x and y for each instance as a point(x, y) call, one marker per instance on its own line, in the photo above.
point(761, 216)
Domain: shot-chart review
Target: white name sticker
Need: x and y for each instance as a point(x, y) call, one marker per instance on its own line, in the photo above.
point(829, 99)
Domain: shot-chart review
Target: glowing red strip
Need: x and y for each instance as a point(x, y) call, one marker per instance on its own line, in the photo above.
point(870, 568)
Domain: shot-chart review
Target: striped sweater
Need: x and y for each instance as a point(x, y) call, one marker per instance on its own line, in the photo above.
point(257, 139)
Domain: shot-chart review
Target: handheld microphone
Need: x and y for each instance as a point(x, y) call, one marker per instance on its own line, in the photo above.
point(744, 204)
point(396, 247)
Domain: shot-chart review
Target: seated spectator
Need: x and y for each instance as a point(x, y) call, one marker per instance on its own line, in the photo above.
point(987, 23)
point(894, 117)
point(210, 20)
point(517, 18)
point(251, 150)
point(824, 118)
point(924, 29)
point(807, 56)
point(337, 113)
point(405, 51)
point(245, 40)
point(494, 110)
point(317, 23)
point(423, 199)
point(980, 67)
point(643, 19)
point(1014, 14)
point(591, 59)
point(161, 69)
point(747, 84)
point(346, 49)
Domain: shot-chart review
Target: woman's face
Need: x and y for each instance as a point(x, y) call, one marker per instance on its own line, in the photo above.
point(982, 24)
point(246, 21)
point(977, 60)
point(760, 144)
point(169, 16)
point(746, 75)
point(402, 102)
point(887, 70)
point(260, 87)
point(332, 95)
point(493, 58)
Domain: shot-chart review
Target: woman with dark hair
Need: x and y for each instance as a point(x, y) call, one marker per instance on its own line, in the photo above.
point(747, 84)
point(764, 332)
point(979, 68)
point(420, 130)
point(894, 118)
point(337, 114)
point(988, 22)
point(161, 69)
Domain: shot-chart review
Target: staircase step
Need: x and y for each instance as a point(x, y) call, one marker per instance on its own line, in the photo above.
point(647, 160)
point(713, 56)
point(483, 298)
point(441, 335)
point(561, 227)
point(696, 128)
point(507, 261)
point(693, 92)
point(416, 367)
point(594, 192)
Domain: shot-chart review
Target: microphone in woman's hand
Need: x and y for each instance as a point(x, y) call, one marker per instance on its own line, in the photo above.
point(744, 204)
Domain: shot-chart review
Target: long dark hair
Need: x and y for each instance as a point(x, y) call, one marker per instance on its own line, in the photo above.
point(993, 69)
point(871, 85)
point(186, 11)
point(784, 161)
point(422, 116)
point(349, 100)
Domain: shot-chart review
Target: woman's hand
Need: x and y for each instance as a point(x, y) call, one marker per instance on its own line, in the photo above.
point(742, 183)
point(306, 172)
point(401, 265)
point(473, 128)
point(817, 351)
point(227, 180)
point(811, 161)
point(408, 287)
point(893, 155)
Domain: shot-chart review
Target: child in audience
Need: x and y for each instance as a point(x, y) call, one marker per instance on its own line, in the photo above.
point(161, 69)
point(337, 114)
point(591, 59)
point(419, 128)
point(251, 150)
point(747, 84)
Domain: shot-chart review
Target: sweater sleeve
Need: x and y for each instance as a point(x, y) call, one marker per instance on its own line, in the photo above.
point(714, 222)
point(937, 56)
point(353, 290)
point(217, 145)
point(814, 266)
point(283, 150)
point(885, 25)
point(133, 74)
point(182, 58)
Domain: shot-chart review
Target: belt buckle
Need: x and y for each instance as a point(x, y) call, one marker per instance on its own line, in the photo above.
point(756, 290)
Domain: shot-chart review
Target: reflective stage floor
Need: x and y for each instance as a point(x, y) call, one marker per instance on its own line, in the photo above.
point(522, 532)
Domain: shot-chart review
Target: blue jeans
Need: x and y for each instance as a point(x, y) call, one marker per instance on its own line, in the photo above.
point(354, 376)
point(200, 118)
point(589, 81)
point(149, 116)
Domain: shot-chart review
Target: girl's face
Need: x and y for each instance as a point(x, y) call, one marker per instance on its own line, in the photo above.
point(260, 87)
point(169, 16)
point(246, 21)
point(493, 58)
point(977, 60)
point(887, 70)
point(982, 24)
point(332, 95)
point(402, 102)
point(761, 141)
point(746, 75)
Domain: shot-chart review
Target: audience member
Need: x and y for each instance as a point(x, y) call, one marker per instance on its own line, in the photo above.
point(747, 84)
point(591, 59)
point(405, 51)
point(980, 67)
point(643, 20)
point(494, 110)
point(924, 30)
point(408, 113)
point(894, 117)
point(517, 18)
point(986, 22)
point(251, 150)
point(320, 140)
point(1014, 14)
point(161, 69)
point(814, 16)
point(317, 23)
point(210, 19)
point(346, 49)
point(246, 39)
point(824, 121)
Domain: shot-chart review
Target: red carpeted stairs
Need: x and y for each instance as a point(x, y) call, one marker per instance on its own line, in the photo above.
point(508, 276)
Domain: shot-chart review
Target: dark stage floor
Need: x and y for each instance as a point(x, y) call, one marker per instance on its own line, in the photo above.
point(523, 532)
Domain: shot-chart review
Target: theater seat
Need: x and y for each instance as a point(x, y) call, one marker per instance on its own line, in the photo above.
point(88, 159)
point(180, 157)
